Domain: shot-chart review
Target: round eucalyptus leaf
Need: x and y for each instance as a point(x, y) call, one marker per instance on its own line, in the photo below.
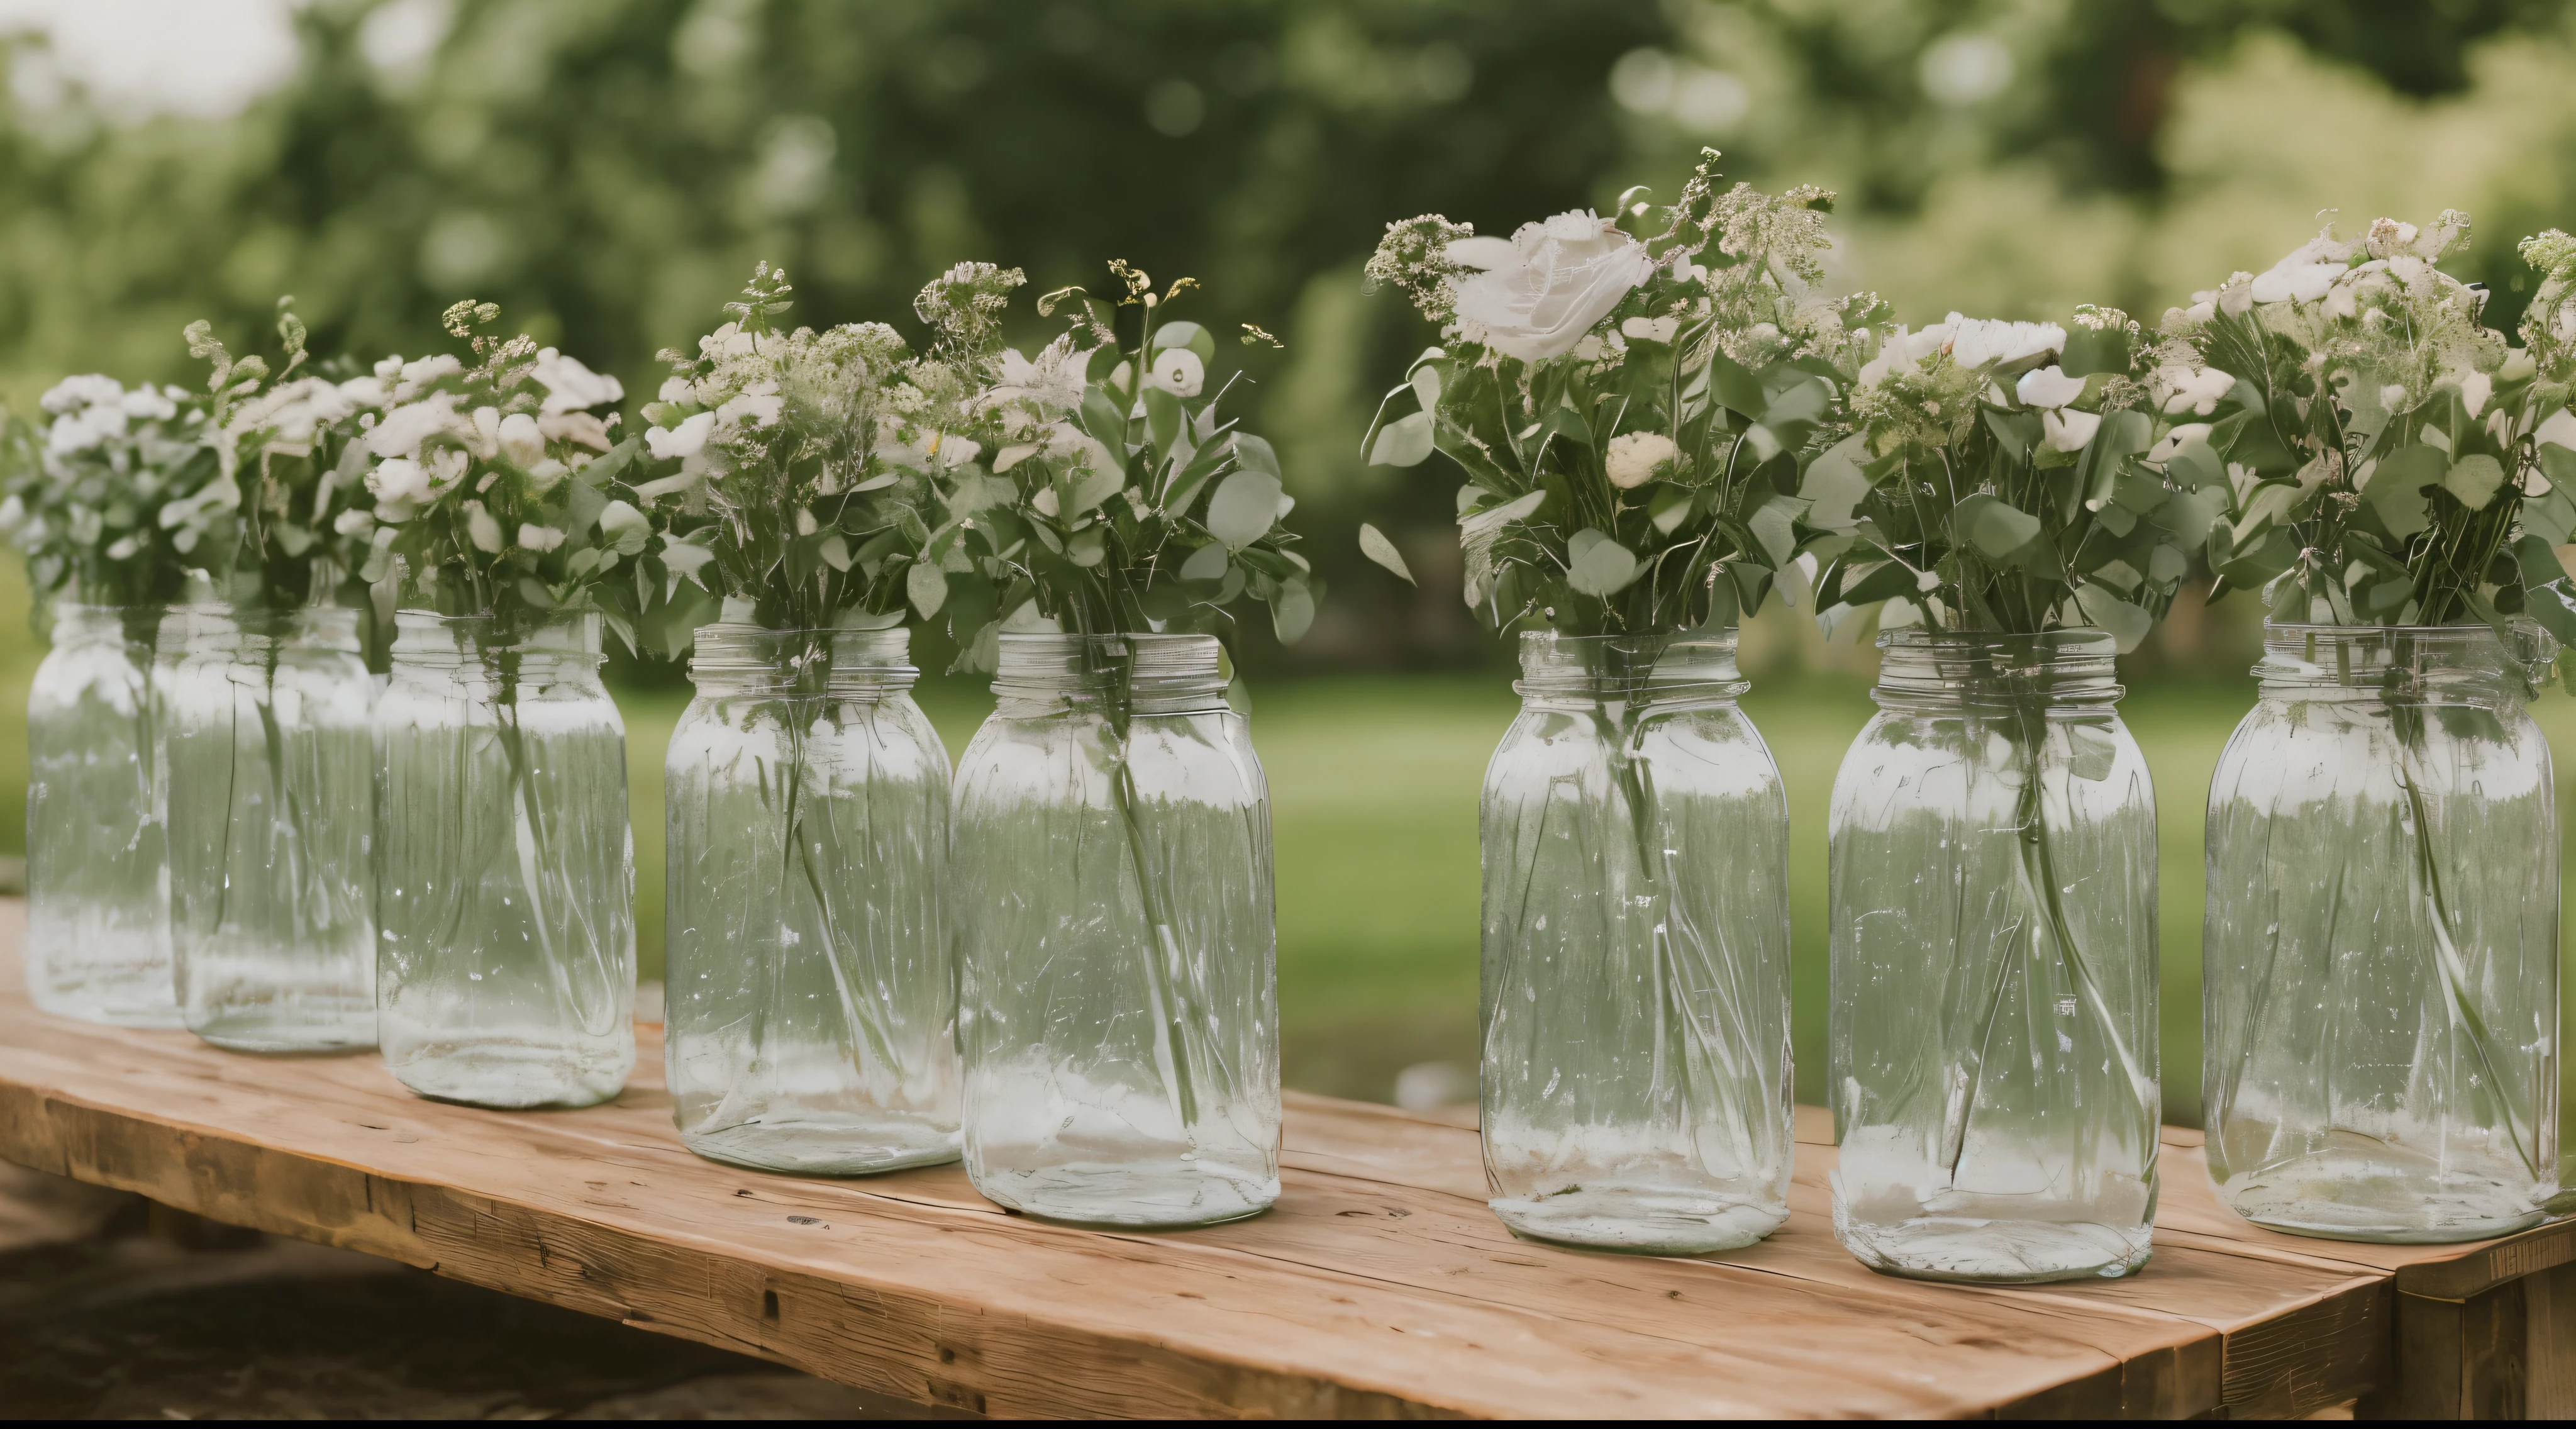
point(1244, 508)
point(1596, 565)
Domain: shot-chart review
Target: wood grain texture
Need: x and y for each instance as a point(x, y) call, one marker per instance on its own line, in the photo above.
point(1379, 1287)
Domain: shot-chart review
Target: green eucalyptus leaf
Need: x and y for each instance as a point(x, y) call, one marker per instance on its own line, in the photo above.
point(2127, 623)
point(1181, 332)
point(1835, 483)
point(1244, 508)
point(1993, 526)
point(1598, 565)
point(1207, 563)
point(1292, 612)
point(1774, 525)
point(2396, 488)
point(2474, 479)
point(1257, 454)
point(2551, 515)
point(1406, 441)
point(1375, 546)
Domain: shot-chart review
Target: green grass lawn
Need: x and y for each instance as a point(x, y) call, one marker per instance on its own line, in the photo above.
point(1374, 785)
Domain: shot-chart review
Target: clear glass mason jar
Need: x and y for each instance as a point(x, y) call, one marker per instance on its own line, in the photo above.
point(98, 876)
point(1993, 914)
point(1118, 1004)
point(505, 870)
point(812, 1015)
point(2379, 960)
point(271, 768)
point(1636, 1079)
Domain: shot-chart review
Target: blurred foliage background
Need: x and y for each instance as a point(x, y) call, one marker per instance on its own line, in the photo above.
point(609, 170)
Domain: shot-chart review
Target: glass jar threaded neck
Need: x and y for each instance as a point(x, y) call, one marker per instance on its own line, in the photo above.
point(1155, 674)
point(1636, 669)
point(740, 659)
point(2428, 664)
point(2073, 668)
point(424, 637)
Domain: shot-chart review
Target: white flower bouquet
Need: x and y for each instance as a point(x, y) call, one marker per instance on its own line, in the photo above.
point(499, 489)
point(2007, 478)
point(116, 493)
point(2395, 461)
point(1632, 415)
point(1115, 500)
point(292, 462)
point(795, 470)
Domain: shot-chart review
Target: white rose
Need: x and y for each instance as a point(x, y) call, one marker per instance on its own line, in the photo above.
point(538, 538)
point(1542, 292)
point(1177, 370)
point(1634, 457)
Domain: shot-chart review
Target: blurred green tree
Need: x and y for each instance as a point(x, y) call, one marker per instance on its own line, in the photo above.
point(608, 170)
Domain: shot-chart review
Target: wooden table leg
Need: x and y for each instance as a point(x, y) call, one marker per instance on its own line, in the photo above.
point(2506, 1353)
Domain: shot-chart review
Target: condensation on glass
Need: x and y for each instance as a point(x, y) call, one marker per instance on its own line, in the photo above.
point(1993, 914)
point(1118, 1012)
point(1636, 1075)
point(505, 871)
point(271, 773)
point(98, 886)
point(2380, 952)
point(811, 1019)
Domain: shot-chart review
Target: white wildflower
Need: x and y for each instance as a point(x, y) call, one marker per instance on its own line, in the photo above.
point(520, 440)
point(683, 441)
point(535, 537)
point(2067, 430)
point(571, 387)
point(2048, 387)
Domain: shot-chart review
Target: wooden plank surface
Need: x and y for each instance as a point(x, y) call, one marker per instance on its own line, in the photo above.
point(1379, 1286)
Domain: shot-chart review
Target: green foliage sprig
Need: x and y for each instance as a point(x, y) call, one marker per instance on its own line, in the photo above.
point(500, 491)
point(295, 457)
point(1633, 422)
point(2007, 477)
point(116, 493)
point(1114, 499)
point(2395, 461)
point(797, 472)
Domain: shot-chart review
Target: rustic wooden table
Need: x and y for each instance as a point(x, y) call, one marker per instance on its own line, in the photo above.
point(1378, 1286)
